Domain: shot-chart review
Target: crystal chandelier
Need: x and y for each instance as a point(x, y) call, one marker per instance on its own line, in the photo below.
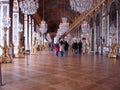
point(43, 27)
point(49, 37)
point(80, 5)
point(85, 27)
point(64, 26)
point(29, 7)
point(56, 39)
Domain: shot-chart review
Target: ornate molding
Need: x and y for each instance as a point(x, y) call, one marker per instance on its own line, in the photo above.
point(82, 16)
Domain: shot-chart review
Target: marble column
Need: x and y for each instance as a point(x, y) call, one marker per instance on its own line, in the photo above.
point(26, 31)
point(30, 32)
point(117, 31)
point(33, 31)
point(108, 27)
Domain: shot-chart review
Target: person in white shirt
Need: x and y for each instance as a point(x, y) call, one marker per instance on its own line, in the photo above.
point(61, 48)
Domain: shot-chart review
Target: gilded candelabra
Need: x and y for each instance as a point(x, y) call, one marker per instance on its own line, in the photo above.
point(34, 46)
point(88, 46)
point(113, 48)
point(5, 49)
point(20, 47)
point(84, 46)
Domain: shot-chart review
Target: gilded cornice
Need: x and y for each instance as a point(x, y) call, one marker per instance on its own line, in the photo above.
point(84, 15)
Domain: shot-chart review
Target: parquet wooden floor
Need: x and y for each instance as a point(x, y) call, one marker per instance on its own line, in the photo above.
point(74, 72)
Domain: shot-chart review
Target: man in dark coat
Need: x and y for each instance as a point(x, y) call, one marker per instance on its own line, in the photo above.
point(75, 47)
point(66, 45)
point(80, 47)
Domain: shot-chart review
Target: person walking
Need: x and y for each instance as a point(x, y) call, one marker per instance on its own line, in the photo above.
point(61, 48)
point(66, 45)
point(56, 50)
point(75, 47)
point(80, 47)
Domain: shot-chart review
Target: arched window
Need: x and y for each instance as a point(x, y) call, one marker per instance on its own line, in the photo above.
point(113, 14)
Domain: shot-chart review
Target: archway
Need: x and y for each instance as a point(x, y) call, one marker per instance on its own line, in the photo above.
point(92, 34)
point(97, 32)
point(113, 14)
point(113, 21)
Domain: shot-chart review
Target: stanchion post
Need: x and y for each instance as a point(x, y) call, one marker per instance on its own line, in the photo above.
point(0, 75)
point(27, 52)
point(27, 60)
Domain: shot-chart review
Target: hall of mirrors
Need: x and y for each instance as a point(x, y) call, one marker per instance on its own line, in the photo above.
point(101, 28)
point(33, 35)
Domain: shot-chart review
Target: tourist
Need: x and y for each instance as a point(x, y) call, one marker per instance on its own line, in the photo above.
point(80, 46)
point(61, 48)
point(56, 50)
point(66, 45)
point(75, 47)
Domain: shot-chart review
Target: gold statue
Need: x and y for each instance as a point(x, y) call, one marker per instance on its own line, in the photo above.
point(34, 46)
point(5, 50)
point(112, 52)
point(88, 46)
point(20, 47)
point(84, 46)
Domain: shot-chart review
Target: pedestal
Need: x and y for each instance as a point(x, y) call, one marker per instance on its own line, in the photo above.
point(111, 55)
point(5, 50)
point(6, 60)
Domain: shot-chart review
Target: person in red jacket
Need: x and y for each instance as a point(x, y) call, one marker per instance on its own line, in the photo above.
point(56, 50)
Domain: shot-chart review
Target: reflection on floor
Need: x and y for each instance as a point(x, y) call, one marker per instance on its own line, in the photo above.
point(74, 72)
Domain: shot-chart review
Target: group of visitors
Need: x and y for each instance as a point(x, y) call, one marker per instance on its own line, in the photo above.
point(61, 48)
point(80, 47)
point(77, 47)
